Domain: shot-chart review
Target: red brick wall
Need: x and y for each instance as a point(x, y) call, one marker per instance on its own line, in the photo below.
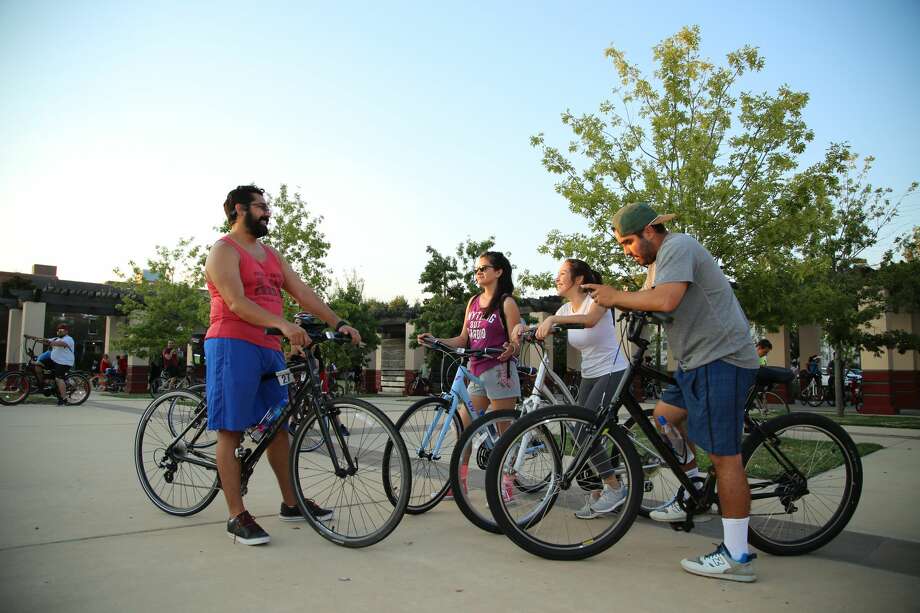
point(887, 392)
point(136, 382)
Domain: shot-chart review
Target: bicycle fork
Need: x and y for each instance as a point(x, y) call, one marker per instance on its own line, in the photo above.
point(448, 415)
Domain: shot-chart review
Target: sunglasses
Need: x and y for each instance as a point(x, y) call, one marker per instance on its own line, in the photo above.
point(483, 269)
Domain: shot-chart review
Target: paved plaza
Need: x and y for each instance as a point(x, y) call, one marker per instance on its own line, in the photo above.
point(78, 534)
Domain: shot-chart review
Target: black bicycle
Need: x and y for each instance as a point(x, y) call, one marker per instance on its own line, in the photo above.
point(16, 385)
point(174, 455)
point(804, 472)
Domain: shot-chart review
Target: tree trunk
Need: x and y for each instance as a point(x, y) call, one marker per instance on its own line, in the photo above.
point(838, 380)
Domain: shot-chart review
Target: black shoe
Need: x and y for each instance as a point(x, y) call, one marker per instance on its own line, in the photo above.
point(293, 513)
point(344, 430)
point(61, 402)
point(244, 529)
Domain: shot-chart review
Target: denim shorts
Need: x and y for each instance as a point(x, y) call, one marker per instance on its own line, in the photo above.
point(496, 384)
point(713, 396)
point(236, 394)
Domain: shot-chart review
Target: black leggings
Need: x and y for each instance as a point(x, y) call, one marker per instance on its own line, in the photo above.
point(596, 394)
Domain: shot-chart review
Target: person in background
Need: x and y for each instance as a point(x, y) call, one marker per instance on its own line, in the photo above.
point(763, 348)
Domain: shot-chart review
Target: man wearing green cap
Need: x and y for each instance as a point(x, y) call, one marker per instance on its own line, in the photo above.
point(710, 337)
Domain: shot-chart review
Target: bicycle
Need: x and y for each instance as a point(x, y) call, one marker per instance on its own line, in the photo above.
point(16, 385)
point(470, 456)
point(812, 393)
point(174, 456)
point(420, 386)
point(803, 469)
point(764, 396)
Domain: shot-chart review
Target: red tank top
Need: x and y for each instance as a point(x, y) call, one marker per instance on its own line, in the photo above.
point(262, 284)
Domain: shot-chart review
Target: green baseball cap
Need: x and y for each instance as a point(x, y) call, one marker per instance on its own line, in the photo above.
point(632, 218)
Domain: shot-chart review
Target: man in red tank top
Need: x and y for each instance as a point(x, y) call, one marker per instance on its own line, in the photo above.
point(245, 278)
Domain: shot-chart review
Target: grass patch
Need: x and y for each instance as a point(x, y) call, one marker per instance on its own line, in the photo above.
point(877, 421)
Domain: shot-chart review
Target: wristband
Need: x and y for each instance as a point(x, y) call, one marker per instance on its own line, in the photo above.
point(341, 323)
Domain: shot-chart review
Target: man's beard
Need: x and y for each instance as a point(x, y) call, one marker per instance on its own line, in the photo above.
point(254, 227)
point(647, 253)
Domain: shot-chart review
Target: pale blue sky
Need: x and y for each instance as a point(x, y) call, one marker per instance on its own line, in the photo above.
point(123, 125)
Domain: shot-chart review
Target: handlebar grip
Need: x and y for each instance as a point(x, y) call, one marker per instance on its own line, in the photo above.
point(273, 331)
point(570, 326)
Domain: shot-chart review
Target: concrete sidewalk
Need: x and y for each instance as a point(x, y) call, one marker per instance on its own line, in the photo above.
point(80, 535)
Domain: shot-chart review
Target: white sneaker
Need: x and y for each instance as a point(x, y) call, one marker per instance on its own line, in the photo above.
point(609, 501)
point(720, 565)
point(674, 513)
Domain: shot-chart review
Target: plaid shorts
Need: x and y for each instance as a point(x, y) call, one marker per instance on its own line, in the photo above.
point(713, 396)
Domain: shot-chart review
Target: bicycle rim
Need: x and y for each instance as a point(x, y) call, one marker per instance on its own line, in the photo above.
point(795, 516)
point(14, 387)
point(659, 486)
point(362, 511)
point(175, 486)
point(545, 522)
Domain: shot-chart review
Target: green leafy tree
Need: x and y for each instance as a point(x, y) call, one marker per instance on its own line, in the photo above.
point(694, 143)
point(839, 290)
point(164, 300)
point(347, 300)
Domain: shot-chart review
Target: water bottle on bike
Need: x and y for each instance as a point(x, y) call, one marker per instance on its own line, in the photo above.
point(678, 444)
point(258, 431)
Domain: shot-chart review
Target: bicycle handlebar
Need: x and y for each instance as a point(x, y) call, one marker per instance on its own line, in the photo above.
point(433, 343)
point(317, 337)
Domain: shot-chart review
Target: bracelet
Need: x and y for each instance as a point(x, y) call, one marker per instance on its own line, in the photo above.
point(341, 323)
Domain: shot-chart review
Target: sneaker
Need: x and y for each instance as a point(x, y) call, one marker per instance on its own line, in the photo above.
point(720, 565)
point(244, 529)
point(674, 513)
point(608, 502)
point(507, 488)
point(293, 513)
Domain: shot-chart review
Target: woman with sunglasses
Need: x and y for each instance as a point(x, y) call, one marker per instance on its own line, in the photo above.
point(485, 324)
point(603, 362)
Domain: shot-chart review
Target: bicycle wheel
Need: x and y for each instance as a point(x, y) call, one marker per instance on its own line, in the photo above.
point(182, 413)
point(198, 388)
point(660, 486)
point(14, 387)
point(430, 466)
point(175, 485)
point(775, 403)
point(363, 512)
point(545, 522)
point(800, 505)
point(76, 389)
point(815, 396)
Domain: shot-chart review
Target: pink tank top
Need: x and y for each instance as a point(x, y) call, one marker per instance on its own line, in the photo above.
point(262, 284)
point(484, 331)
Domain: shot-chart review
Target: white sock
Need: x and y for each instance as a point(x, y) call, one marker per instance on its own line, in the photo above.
point(735, 536)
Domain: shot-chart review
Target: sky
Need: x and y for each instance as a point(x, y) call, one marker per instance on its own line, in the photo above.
point(124, 125)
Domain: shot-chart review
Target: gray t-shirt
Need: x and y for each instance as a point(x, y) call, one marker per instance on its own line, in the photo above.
point(708, 323)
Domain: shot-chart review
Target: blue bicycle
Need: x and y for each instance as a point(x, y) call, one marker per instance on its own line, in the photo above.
point(431, 427)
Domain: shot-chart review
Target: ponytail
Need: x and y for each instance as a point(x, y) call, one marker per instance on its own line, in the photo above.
point(579, 268)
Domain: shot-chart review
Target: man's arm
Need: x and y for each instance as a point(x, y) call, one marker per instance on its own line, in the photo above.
point(307, 299)
point(664, 297)
point(223, 270)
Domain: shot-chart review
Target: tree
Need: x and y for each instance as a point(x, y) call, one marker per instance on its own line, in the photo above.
point(910, 245)
point(348, 301)
point(688, 141)
point(844, 294)
point(164, 301)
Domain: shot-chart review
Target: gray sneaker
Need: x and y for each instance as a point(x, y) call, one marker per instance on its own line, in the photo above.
point(720, 565)
point(609, 501)
point(674, 513)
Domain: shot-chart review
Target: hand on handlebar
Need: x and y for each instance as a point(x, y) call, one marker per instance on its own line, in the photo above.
point(354, 334)
point(296, 334)
point(425, 339)
point(508, 353)
point(603, 295)
point(545, 328)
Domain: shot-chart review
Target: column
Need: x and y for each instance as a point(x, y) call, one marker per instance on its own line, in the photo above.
point(809, 343)
point(14, 351)
point(33, 323)
point(890, 379)
point(372, 371)
point(136, 378)
point(780, 358)
point(113, 333)
point(415, 358)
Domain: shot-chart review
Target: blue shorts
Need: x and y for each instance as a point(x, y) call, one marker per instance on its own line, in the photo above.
point(236, 394)
point(713, 396)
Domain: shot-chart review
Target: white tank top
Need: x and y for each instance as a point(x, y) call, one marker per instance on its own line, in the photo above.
point(599, 346)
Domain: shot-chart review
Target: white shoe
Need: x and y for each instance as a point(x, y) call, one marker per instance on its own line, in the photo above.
point(609, 501)
point(720, 565)
point(674, 513)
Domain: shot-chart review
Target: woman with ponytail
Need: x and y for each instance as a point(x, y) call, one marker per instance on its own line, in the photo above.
point(603, 362)
point(485, 325)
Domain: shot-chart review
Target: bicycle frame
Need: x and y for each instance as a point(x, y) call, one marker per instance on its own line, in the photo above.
point(457, 394)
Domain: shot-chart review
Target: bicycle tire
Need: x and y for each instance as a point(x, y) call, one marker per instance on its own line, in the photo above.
point(15, 387)
point(839, 447)
point(173, 485)
point(568, 417)
point(430, 475)
point(659, 486)
point(77, 389)
point(772, 398)
point(314, 477)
